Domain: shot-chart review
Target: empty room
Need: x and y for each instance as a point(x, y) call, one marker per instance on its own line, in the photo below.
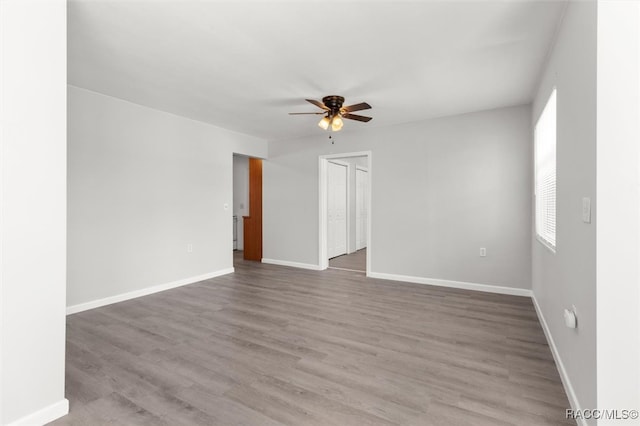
point(320, 213)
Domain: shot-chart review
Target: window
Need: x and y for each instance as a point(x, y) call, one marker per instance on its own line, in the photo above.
point(545, 174)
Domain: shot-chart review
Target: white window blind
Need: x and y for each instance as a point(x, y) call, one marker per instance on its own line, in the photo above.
point(545, 173)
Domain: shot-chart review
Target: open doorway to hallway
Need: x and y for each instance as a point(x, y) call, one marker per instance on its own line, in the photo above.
point(247, 208)
point(240, 202)
point(344, 212)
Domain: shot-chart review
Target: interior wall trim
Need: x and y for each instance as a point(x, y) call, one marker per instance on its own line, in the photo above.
point(45, 415)
point(292, 264)
point(564, 376)
point(144, 291)
point(489, 288)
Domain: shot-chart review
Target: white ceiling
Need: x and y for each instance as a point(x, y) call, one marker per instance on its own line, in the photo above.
point(244, 65)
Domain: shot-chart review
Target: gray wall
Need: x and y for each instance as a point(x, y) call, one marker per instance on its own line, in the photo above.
point(143, 184)
point(568, 277)
point(441, 189)
point(32, 210)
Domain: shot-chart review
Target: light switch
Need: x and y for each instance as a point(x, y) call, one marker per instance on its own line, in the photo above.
point(570, 319)
point(586, 210)
point(226, 206)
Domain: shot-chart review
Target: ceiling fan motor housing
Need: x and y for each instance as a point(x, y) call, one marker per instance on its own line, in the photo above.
point(333, 102)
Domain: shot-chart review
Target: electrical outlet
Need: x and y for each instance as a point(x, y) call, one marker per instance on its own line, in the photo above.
point(483, 252)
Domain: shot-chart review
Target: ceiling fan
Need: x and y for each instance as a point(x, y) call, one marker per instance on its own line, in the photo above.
point(334, 112)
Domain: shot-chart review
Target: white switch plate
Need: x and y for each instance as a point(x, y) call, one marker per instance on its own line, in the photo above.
point(226, 206)
point(586, 210)
point(483, 252)
point(189, 248)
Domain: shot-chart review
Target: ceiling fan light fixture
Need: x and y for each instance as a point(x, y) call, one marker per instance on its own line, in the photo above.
point(334, 113)
point(336, 123)
point(324, 123)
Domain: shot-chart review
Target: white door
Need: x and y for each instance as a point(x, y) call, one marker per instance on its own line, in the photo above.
point(336, 210)
point(362, 194)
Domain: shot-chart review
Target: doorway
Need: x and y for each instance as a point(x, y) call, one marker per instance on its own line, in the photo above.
point(240, 202)
point(362, 195)
point(247, 208)
point(344, 211)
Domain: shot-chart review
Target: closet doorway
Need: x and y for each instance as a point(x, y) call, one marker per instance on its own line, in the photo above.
point(344, 215)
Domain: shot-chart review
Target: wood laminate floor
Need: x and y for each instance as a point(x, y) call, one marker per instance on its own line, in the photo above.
point(271, 345)
point(356, 261)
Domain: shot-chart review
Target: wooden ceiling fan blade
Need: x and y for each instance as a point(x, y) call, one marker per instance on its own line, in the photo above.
point(357, 107)
point(302, 113)
point(318, 104)
point(357, 117)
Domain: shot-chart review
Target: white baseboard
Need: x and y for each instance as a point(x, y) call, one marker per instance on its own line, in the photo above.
point(44, 416)
point(564, 376)
point(144, 292)
point(292, 264)
point(488, 288)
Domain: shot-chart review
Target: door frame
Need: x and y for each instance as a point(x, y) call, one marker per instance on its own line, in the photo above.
point(323, 161)
point(366, 170)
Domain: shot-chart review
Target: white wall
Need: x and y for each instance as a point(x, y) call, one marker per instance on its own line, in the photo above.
point(32, 210)
point(568, 277)
point(143, 184)
point(618, 231)
point(440, 190)
point(240, 194)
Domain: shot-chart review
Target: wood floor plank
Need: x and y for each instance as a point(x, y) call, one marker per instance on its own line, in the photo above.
point(271, 345)
point(274, 407)
point(364, 401)
point(333, 412)
point(228, 411)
